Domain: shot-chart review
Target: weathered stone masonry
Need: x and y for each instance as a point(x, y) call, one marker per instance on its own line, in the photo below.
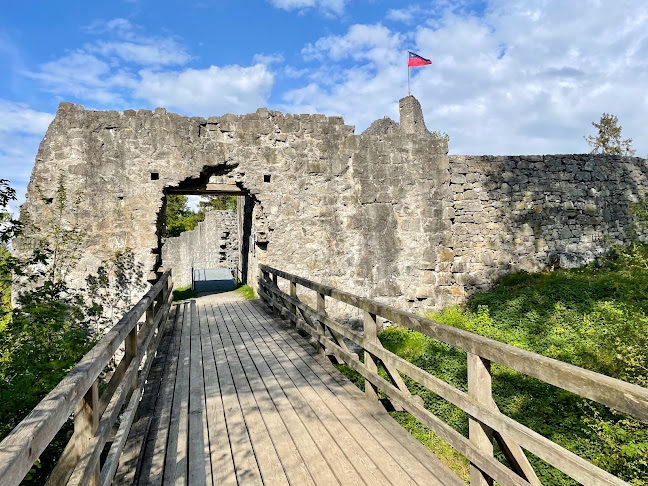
point(387, 213)
point(212, 241)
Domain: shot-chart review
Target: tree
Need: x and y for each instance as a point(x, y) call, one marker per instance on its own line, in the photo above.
point(179, 217)
point(216, 203)
point(609, 140)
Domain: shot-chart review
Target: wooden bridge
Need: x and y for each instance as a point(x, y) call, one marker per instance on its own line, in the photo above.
point(236, 394)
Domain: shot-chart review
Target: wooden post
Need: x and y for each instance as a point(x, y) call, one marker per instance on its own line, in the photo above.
point(321, 310)
point(86, 422)
point(293, 308)
point(275, 306)
point(371, 335)
point(131, 347)
point(480, 389)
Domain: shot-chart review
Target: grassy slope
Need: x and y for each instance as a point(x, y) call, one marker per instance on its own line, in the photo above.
point(595, 318)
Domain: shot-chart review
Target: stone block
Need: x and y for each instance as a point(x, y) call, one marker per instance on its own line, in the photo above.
point(445, 254)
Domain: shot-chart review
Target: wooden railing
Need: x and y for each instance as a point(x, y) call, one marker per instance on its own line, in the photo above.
point(486, 422)
point(94, 414)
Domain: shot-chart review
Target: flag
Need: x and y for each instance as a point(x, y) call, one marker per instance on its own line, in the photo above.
point(416, 60)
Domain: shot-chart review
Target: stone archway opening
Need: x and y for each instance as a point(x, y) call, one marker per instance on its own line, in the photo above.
point(215, 256)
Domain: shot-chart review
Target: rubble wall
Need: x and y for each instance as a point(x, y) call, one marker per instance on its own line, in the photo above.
point(534, 212)
point(208, 245)
point(386, 213)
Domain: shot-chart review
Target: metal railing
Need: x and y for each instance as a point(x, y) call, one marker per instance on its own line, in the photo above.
point(214, 259)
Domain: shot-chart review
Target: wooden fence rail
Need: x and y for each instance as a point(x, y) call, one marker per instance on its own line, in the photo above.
point(95, 415)
point(485, 420)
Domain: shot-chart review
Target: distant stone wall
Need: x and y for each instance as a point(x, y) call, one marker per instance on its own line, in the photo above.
point(533, 212)
point(213, 240)
point(386, 213)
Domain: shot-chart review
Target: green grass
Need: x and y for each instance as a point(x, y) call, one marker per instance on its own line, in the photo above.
point(595, 318)
point(184, 293)
point(246, 291)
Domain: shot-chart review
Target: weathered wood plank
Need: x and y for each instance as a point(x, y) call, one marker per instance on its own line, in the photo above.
point(152, 462)
point(245, 461)
point(175, 461)
point(410, 453)
point(197, 434)
point(360, 444)
point(622, 396)
point(221, 459)
point(562, 459)
point(317, 466)
point(270, 466)
point(28, 440)
point(293, 464)
point(86, 422)
point(128, 416)
point(420, 461)
point(347, 463)
point(203, 332)
point(480, 390)
point(89, 461)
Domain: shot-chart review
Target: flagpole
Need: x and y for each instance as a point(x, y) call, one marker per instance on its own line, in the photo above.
point(408, 80)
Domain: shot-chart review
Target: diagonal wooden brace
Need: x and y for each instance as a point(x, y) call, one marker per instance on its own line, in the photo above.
point(397, 381)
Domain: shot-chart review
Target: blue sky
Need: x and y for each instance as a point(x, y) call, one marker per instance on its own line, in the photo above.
point(507, 77)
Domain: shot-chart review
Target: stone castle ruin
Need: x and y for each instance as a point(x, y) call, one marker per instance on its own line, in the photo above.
point(387, 213)
point(214, 243)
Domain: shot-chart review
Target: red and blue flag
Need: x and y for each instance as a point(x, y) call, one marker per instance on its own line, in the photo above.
point(416, 60)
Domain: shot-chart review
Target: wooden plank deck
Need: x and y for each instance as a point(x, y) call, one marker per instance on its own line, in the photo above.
point(241, 398)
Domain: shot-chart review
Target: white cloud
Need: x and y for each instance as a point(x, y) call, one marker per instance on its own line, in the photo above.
point(267, 59)
point(116, 72)
point(208, 91)
point(21, 130)
point(522, 78)
point(84, 76)
point(374, 43)
point(361, 93)
point(19, 118)
point(328, 6)
point(157, 52)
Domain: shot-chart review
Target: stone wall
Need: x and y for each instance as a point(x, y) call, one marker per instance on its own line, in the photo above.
point(386, 213)
point(533, 212)
point(209, 244)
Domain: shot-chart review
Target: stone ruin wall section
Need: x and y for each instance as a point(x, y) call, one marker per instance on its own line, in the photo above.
point(534, 212)
point(386, 214)
point(362, 212)
point(217, 235)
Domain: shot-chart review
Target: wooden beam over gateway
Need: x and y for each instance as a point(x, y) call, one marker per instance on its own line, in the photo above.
point(209, 189)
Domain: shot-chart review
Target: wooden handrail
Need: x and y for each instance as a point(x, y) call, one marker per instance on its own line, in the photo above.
point(486, 421)
point(94, 415)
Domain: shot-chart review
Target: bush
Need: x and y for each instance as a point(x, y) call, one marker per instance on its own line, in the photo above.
point(594, 317)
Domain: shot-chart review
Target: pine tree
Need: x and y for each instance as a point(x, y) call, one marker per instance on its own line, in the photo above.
point(609, 140)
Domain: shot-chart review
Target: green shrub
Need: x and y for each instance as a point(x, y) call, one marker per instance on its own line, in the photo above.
point(595, 318)
point(184, 293)
point(246, 291)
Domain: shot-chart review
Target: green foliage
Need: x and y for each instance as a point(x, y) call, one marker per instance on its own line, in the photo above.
point(9, 227)
point(595, 318)
point(179, 218)
point(184, 293)
point(51, 329)
point(441, 135)
point(246, 291)
point(608, 141)
point(216, 203)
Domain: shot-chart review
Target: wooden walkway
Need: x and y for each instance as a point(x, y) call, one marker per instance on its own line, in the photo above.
point(236, 396)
